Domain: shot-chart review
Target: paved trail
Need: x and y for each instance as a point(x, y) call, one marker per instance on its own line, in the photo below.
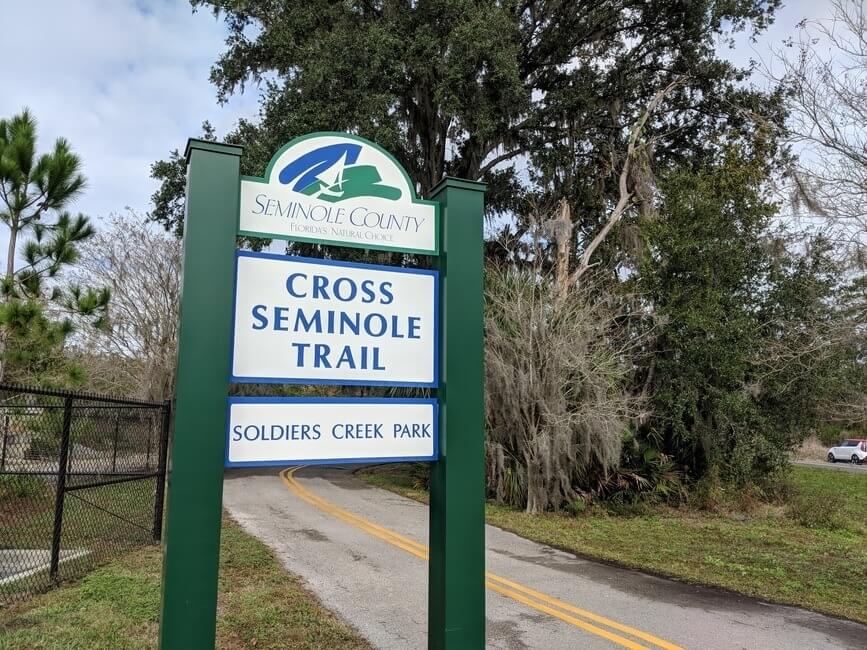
point(361, 550)
point(837, 467)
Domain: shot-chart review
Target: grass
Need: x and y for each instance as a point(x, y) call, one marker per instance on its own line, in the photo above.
point(810, 552)
point(27, 513)
point(29, 517)
point(117, 606)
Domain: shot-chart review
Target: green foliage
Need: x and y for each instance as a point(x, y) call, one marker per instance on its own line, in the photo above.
point(32, 187)
point(45, 444)
point(814, 510)
point(829, 435)
point(40, 184)
point(743, 351)
point(813, 349)
point(708, 493)
point(705, 269)
point(33, 352)
point(169, 200)
point(93, 430)
point(645, 476)
point(577, 507)
point(20, 486)
point(466, 88)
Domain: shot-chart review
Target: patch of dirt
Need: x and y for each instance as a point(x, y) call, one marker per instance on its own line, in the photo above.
point(14, 508)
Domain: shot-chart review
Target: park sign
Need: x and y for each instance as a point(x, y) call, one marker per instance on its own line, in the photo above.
point(252, 317)
point(335, 188)
point(310, 321)
point(326, 430)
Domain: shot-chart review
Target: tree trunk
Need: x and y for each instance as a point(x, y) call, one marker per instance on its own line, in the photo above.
point(10, 271)
point(10, 253)
point(625, 201)
point(563, 228)
point(536, 497)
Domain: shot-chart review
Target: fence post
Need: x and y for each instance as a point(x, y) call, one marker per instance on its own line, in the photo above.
point(114, 443)
point(160, 497)
point(61, 488)
point(5, 443)
point(150, 435)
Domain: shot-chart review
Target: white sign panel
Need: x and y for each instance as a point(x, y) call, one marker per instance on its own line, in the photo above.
point(309, 321)
point(340, 189)
point(280, 431)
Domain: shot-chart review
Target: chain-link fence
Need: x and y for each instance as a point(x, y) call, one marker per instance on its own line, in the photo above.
point(82, 477)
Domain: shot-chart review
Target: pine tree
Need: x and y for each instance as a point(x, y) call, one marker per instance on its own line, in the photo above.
point(35, 310)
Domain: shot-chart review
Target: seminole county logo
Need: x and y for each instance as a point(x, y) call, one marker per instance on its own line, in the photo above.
point(331, 173)
point(337, 188)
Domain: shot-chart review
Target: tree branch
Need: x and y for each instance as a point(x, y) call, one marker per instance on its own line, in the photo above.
point(626, 196)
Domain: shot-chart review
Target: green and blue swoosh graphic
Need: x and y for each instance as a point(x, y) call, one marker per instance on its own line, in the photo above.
point(330, 173)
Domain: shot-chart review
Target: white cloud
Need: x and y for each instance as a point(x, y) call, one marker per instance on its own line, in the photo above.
point(785, 26)
point(125, 82)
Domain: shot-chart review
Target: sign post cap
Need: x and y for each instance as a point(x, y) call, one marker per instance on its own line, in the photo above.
point(458, 183)
point(210, 145)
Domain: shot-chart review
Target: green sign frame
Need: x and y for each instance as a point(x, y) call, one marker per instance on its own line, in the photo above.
point(266, 177)
point(456, 585)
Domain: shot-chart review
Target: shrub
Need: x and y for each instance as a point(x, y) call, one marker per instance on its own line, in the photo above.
point(830, 434)
point(45, 444)
point(621, 505)
point(556, 404)
point(578, 506)
point(646, 475)
point(89, 427)
point(814, 510)
point(419, 475)
point(708, 492)
point(20, 486)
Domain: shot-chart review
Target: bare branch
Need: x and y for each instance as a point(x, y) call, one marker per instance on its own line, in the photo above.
point(635, 148)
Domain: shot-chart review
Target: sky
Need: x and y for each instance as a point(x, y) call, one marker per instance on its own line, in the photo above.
point(126, 81)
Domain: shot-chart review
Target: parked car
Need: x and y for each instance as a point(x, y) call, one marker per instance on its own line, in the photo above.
point(854, 450)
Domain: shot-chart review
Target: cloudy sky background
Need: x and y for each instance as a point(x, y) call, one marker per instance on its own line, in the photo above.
point(126, 81)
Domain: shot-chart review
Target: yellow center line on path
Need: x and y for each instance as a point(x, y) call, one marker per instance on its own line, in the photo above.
point(518, 592)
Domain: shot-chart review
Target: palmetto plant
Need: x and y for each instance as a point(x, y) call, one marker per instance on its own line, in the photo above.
point(34, 192)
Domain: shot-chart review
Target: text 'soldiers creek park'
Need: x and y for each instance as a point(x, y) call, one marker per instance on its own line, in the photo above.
point(346, 431)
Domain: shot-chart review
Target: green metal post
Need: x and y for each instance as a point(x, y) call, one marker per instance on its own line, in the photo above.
point(195, 485)
point(456, 582)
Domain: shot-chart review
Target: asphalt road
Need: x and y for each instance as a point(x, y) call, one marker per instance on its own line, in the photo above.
point(361, 551)
point(838, 466)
